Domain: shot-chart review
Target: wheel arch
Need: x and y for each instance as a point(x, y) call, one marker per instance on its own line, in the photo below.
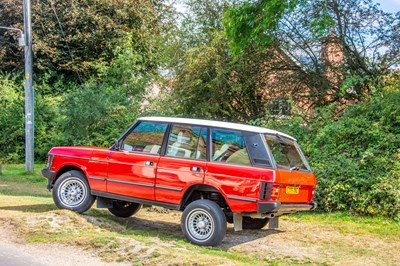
point(69, 167)
point(206, 191)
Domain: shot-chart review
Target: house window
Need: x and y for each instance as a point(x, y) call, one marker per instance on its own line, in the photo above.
point(279, 107)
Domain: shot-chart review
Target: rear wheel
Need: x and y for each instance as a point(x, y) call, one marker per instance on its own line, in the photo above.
point(71, 191)
point(124, 209)
point(203, 223)
point(254, 223)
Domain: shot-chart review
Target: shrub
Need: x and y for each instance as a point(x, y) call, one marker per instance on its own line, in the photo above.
point(355, 157)
point(12, 125)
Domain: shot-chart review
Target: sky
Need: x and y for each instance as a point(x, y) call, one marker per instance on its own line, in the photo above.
point(392, 6)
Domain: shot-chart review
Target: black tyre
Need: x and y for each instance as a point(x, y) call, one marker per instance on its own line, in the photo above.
point(124, 209)
point(71, 191)
point(203, 223)
point(254, 223)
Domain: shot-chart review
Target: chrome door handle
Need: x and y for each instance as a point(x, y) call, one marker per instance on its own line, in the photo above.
point(149, 163)
point(196, 169)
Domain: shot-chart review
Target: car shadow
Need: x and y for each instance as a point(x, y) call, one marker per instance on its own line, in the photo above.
point(233, 238)
point(36, 208)
point(172, 231)
point(147, 227)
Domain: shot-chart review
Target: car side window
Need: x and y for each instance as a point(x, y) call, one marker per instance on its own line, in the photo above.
point(228, 146)
point(147, 137)
point(187, 141)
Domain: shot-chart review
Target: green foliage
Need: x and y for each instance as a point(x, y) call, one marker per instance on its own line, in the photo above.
point(101, 110)
point(94, 113)
point(11, 118)
point(73, 37)
point(253, 22)
point(206, 81)
point(12, 133)
point(356, 156)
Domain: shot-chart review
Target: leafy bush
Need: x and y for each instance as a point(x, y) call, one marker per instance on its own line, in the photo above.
point(12, 125)
point(355, 157)
point(11, 119)
point(95, 115)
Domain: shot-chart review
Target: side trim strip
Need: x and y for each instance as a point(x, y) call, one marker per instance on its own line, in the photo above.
point(97, 178)
point(130, 183)
point(137, 200)
point(169, 188)
point(242, 199)
point(231, 177)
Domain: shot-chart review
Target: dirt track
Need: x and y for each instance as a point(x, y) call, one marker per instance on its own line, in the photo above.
point(46, 254)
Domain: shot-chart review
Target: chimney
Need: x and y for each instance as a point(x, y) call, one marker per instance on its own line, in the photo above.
point(332, 51)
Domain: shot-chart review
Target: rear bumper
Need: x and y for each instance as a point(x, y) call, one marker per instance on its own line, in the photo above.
point(50, 175)
point(282, 208)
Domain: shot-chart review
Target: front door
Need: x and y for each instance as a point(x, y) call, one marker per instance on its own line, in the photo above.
point(132, 168)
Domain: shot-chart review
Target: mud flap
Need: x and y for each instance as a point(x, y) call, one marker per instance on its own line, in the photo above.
point(104, 203)
point(237, 222)
point(273, 223)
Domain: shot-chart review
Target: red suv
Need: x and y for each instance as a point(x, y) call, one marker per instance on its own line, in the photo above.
point(215, 172)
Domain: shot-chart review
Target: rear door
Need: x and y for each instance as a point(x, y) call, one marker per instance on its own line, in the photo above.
point(184, 162)
point(132, 168)
point(230, 169)
point(293, 174)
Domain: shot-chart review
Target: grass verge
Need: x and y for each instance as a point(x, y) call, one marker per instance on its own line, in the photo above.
point(153, 236)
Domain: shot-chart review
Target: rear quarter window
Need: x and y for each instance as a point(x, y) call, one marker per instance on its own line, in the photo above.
point(229, 146)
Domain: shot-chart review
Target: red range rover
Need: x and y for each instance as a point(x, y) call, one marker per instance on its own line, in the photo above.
point(215, 172)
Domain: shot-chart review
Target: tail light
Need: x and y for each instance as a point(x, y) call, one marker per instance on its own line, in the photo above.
point(312, 193)
point(270, 191)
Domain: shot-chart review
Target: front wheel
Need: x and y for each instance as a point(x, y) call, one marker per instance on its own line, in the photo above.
point(71, 191)
point(124, 209)
point(203, 223)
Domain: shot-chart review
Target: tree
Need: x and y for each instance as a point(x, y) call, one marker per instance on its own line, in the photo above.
point(362, 36)
point(75, 38)
point(205, 80)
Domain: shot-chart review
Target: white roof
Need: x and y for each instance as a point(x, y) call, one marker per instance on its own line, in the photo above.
point(211, 123)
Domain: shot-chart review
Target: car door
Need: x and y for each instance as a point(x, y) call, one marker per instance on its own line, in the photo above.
point(230, 169)
point(184, 162)
point(132, 167)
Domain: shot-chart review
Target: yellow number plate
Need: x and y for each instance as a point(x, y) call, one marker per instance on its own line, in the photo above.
point(292, 190)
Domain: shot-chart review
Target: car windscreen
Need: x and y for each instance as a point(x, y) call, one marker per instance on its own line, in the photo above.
point(286, 153)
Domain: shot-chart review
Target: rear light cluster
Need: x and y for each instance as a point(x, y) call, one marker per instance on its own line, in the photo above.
point(269, 191)
point(312, 193)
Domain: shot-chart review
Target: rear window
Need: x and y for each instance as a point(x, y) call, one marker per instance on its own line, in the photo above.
point(286, 154)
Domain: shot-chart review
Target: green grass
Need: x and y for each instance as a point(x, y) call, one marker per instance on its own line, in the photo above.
point(16, 182)
point(346, 222)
